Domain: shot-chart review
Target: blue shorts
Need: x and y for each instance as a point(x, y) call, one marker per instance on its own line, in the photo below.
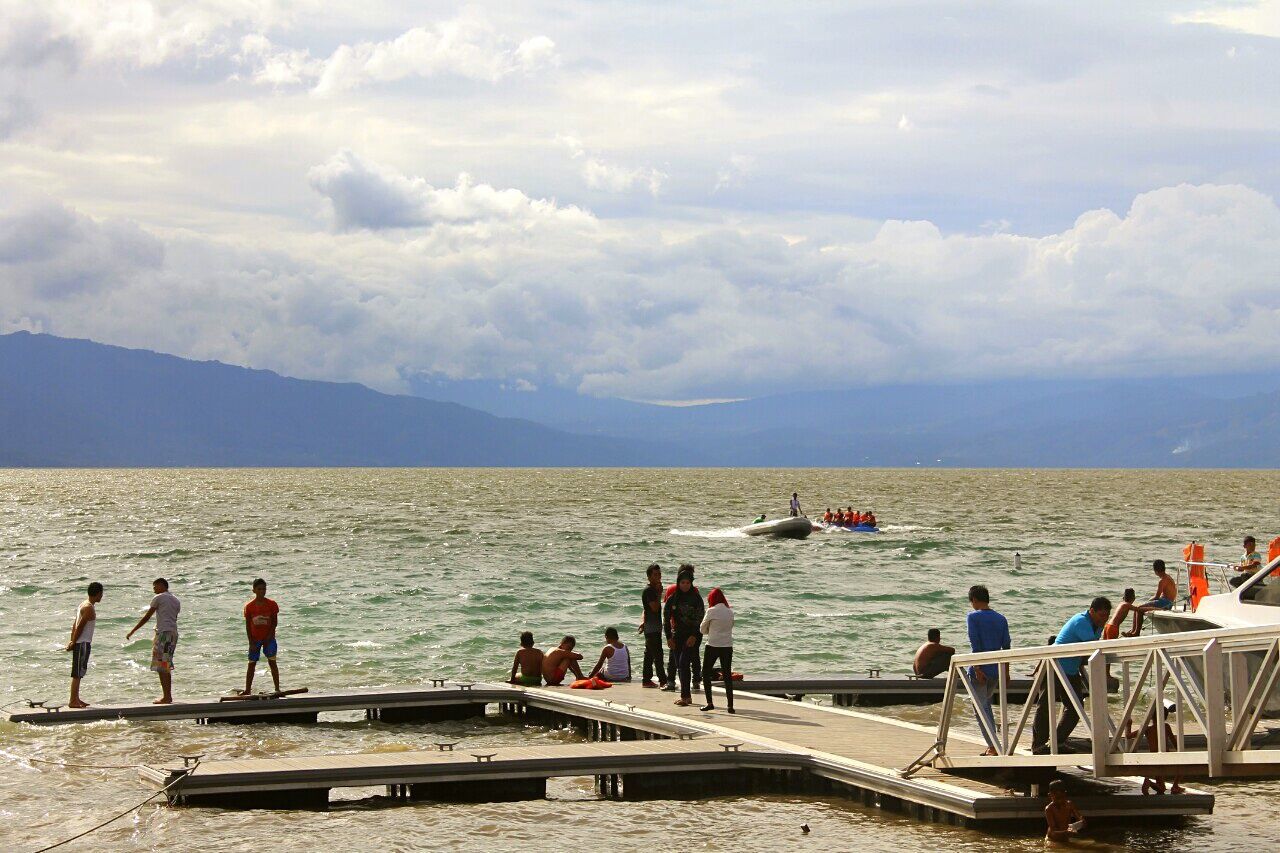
point(1160, 604)
point(260, 647)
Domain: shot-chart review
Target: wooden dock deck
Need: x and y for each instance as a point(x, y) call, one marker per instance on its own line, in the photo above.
point(785, 746)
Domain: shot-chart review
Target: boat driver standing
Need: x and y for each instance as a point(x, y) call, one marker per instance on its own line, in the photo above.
point(795, 505)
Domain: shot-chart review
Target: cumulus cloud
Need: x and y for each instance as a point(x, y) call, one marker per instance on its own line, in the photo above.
point(368, 195)
point(467, 47)
point(599, 174)
point(1183, 281)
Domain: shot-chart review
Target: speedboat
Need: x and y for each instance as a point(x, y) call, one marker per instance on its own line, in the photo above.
point(781, 528)
point(1255, 604)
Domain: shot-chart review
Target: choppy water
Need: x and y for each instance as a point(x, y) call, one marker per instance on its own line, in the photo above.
point(393, 576)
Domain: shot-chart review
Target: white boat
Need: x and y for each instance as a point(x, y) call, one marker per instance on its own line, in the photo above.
point(1255, 604)
point(781, 528)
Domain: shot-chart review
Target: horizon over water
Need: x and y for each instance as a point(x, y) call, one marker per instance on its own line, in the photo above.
point(394, 576)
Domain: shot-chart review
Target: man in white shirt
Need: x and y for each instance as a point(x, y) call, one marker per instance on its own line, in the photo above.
point(795, 505)
point(81, 643)
point(164, 607)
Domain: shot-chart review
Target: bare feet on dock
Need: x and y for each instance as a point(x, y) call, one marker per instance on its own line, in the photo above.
point(163, 700)
point(989, 751)
point(77, 704)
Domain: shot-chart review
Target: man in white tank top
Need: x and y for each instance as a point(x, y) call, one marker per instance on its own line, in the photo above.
point(615, 659)
point(81, 642)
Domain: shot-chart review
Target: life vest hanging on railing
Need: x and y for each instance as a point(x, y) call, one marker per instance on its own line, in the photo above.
point(1197, 580)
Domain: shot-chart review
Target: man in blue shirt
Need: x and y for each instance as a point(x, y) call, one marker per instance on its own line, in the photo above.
point(988, 632)
point(1084, 627)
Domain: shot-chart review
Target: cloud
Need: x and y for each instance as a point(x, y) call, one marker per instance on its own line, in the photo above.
point(1255, 17)
point(367, 195)
point(1182, 282)
point(599, 174)
point(734, 173)
point(466, 47)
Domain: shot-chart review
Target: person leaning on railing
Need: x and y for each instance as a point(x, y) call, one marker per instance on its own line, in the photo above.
point(1084, 627)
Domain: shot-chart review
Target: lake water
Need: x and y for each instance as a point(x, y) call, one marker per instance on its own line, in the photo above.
point(388, 577)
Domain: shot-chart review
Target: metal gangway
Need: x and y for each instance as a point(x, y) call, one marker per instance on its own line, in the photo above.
point(1187, 704)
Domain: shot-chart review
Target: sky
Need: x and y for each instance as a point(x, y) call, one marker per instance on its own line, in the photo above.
point(651, 200)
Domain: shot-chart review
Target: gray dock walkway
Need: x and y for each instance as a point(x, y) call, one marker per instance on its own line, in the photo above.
point(491, 774)
point(785, 746)
point(872, 691)
point(445, 700)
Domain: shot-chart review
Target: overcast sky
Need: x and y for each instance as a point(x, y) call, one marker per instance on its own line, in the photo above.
point(646, 199)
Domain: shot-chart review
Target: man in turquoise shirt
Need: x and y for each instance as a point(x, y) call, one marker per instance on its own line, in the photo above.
point(1084, 627)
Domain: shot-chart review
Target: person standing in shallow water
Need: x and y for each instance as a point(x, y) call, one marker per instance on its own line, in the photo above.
point(717, 627)
point(164, 607)
point(651, 627)
point(683, 615)
point(795, 505)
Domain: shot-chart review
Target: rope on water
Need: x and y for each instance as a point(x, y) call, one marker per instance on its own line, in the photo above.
point(185, 772)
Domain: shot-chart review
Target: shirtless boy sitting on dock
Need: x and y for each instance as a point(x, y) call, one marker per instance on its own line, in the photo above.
point(933, 658)
point(561, 660)
point(528, 661)
point(1064, 819)
point(1166, 595)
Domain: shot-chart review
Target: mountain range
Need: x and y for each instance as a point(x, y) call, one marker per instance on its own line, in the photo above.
point(67, 402)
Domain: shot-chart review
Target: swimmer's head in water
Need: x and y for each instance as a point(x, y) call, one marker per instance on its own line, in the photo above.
point(611, 634)
point(526, 639)
point(1057, 790)
point(568, 642)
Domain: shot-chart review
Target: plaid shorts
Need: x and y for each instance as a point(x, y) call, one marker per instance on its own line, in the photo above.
point(162, 651)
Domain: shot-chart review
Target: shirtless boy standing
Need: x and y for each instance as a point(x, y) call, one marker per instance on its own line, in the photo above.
point(561, 660)
point(1166, 595)
point(1062, 816)
point(80, 644)
point(528, 661)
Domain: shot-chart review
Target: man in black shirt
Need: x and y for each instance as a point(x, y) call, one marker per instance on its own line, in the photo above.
point(651, 627)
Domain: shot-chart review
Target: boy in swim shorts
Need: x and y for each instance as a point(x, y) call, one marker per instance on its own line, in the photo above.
point(560, 661)
point(1166, 595)
point(528, 661)
point(261, 616)
point(81, 642)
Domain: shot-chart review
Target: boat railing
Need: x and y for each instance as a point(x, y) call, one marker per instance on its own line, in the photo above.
point(1219, 680)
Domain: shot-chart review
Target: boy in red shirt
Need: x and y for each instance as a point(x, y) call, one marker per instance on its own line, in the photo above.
point(261, 616)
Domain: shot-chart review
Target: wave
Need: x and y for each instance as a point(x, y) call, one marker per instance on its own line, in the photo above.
point(722, 533)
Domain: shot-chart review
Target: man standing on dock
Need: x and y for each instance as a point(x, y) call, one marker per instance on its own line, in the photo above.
point(683, 614)
point(651, 627)
point(1084, 627)
point(988, 632)
point(81, 640)
point(261, 617)
point(164, 607)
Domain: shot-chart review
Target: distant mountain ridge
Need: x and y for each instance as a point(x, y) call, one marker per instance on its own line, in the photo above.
point(66, 402)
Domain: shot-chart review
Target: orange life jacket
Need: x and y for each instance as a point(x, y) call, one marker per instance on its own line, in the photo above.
point(1197, 580)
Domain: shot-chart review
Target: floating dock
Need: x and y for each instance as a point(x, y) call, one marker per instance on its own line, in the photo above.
point(872, 691)
point(657, 749)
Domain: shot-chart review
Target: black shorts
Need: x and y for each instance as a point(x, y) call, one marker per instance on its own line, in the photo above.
point(80, 659)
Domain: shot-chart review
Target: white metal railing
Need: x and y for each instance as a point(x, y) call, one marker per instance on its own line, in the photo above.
point(1220, 680)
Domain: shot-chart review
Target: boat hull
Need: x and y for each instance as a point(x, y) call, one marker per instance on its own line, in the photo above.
point(781, 528)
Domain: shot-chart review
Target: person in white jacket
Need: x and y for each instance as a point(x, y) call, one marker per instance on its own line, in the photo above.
point(717, 627)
